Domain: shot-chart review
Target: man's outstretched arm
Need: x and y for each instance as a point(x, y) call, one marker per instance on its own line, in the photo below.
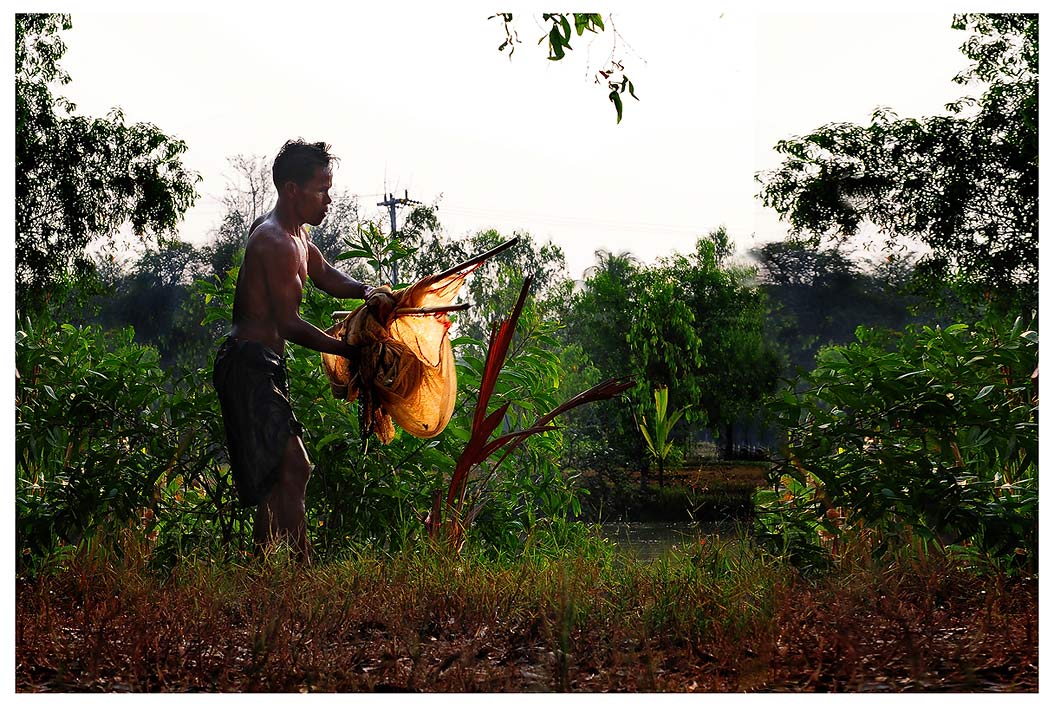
point(330, 280)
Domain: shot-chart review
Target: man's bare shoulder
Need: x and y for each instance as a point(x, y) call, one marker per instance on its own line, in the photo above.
point(270, 239)
point(261, 219)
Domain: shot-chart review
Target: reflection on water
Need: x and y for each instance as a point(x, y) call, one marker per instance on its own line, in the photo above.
point(649, 540)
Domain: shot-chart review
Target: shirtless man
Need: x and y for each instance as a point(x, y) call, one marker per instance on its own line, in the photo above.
point(268, 459)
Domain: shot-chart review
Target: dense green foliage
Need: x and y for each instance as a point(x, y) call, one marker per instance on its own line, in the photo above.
point(926, 435)
point(79, 178)
point(694, 324)
point(617, 301)
point(154, 297)
point(105, 439)
point(700, 330)
point(931, 434)
point(596, 318)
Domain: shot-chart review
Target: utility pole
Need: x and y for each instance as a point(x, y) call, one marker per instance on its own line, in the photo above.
point(391, 203)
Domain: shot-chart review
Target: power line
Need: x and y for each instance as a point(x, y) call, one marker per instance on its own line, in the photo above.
point(564, 220)
point(392, 203)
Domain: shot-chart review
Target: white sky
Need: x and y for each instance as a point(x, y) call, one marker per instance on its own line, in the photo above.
point(422, 101)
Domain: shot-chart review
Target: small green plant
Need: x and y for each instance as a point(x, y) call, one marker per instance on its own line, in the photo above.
point(381, 251)
point(658, 439)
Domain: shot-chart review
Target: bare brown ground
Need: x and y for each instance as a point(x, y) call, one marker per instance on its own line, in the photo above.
point(717, 476)
point(378, 628)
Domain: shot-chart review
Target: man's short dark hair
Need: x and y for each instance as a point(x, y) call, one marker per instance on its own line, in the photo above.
point(297, 161)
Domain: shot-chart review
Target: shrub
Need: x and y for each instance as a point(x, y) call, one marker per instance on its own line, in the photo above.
point(104, 438)
point(926, 434)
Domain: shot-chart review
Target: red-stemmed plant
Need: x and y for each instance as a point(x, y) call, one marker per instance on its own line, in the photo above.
point(458, 517)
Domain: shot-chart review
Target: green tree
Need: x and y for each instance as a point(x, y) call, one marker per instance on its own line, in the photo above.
point(154, 298)
point(226, 244)
point(79, 178)
point(965, 184)
point(819, 295)
point(601, 309)
point(693, 324)
point(698, 327)
point(603, 437)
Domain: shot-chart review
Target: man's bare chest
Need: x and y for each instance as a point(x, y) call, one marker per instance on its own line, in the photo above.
point(301, 249)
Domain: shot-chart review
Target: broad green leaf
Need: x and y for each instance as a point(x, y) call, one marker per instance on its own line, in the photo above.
point(567, 31)
point(556, 44)
point(617, 100)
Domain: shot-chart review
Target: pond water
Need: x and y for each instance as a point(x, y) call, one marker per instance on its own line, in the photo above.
point(649, 540)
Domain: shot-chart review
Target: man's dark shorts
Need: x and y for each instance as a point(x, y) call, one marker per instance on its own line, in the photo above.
point(257, 417)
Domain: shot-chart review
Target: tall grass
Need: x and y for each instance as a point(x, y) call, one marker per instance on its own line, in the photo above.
point(715, 616)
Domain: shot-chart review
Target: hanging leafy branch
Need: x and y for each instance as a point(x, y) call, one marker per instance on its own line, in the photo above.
point(559, 43)
point(560, 32)
point(617, 87)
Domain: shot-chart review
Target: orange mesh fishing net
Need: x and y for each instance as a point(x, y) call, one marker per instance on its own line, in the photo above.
point(406, 366)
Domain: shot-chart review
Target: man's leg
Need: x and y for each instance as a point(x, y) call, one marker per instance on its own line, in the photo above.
point(282, 514)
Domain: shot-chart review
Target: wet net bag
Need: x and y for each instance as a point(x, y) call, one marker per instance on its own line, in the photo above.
point(405, 371)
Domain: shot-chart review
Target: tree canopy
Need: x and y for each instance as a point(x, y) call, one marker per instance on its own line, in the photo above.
point(818, 296)
point(700, 329)
point(965, 185)
point(78, 178)
point(692, 323)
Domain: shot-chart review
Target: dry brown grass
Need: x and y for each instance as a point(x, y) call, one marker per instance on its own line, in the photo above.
point(712, 620)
